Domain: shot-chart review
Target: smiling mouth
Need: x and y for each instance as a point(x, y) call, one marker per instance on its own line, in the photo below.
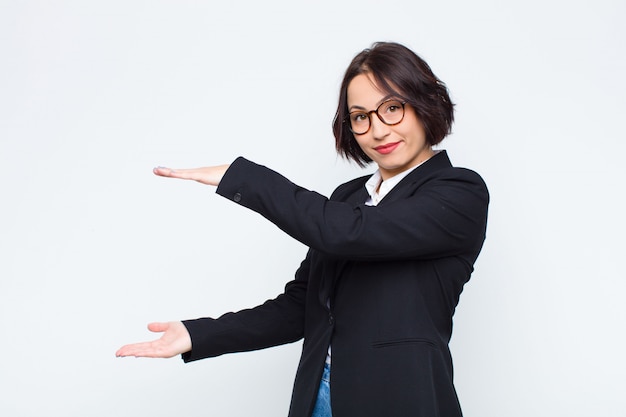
point(388, 148)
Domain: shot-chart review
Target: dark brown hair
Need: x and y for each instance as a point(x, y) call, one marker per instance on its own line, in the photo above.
point(399, 71)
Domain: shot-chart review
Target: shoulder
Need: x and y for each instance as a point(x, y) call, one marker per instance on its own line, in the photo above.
point(460, 174)
point(454, 183)
point(439, 169)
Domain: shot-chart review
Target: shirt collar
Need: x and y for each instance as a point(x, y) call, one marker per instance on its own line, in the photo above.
point(386, 186)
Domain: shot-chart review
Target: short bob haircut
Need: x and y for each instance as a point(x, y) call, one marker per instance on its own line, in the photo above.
point(398, 71)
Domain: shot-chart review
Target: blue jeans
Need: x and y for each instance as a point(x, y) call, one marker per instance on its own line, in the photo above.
point(322, 405)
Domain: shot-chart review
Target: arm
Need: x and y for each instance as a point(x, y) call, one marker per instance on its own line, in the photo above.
point(443, 217)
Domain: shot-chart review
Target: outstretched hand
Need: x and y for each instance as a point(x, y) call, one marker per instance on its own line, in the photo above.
point(175, 340)
point(207, 175)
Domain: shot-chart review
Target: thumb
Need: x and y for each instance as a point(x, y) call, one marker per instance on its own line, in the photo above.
point(158, 327)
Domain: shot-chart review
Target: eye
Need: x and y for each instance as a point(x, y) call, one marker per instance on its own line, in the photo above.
point(392, 107)
point(358, 117)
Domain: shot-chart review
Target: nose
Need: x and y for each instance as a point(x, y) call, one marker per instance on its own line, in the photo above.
point(378, 128)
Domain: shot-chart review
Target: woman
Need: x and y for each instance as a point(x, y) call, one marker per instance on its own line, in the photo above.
point(388, 254)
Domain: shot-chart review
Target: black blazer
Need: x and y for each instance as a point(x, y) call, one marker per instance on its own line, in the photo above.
point(393, 274)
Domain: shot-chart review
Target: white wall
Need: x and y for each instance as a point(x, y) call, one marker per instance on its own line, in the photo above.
point(93, 246)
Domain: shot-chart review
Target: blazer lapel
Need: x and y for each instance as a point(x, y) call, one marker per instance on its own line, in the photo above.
point(420, 174)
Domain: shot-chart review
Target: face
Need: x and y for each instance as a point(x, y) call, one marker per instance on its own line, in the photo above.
point(394, 148)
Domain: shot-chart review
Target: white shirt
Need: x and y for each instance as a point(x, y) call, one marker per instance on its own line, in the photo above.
point(378, 189)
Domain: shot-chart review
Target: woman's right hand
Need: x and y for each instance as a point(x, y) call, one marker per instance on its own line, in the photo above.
point(207, 175)
point(174, 341)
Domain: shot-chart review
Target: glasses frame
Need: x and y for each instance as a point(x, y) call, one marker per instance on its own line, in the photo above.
point(369, 117)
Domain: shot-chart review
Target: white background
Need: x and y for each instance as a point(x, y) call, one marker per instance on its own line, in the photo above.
point(93, 94)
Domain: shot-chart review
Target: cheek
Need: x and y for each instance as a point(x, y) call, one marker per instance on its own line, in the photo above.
point(414, 126)
point(415, 133)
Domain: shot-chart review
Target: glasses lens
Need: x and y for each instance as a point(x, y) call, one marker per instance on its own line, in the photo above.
point(391, 112)
point(359, 122)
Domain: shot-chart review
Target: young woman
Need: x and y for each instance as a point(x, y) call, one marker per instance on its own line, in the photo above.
point(388, 254)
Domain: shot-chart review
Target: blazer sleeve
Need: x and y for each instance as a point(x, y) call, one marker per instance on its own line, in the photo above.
point(445, 216)
point(273, 323)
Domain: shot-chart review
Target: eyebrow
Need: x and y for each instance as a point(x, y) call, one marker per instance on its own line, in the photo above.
point(381, 101)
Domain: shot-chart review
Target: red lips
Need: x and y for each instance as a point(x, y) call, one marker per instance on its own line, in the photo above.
point(388, 148)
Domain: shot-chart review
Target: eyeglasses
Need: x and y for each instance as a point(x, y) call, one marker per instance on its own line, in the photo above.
point(390, 112)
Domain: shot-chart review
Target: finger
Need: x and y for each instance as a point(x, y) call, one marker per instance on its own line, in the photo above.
point(195, 174)
point(168, 172)
point(135, 349)
point(146, 350)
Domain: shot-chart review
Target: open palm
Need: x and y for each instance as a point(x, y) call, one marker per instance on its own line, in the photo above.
point(174, 341)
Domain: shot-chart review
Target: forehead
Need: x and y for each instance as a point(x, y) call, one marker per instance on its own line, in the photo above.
point(363, 91)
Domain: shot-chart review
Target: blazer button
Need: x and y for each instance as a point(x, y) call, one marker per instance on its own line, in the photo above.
point(331, 319)
point(237, 197)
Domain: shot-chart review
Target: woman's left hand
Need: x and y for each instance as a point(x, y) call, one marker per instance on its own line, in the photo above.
point(174, 341)
point(207, 175)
